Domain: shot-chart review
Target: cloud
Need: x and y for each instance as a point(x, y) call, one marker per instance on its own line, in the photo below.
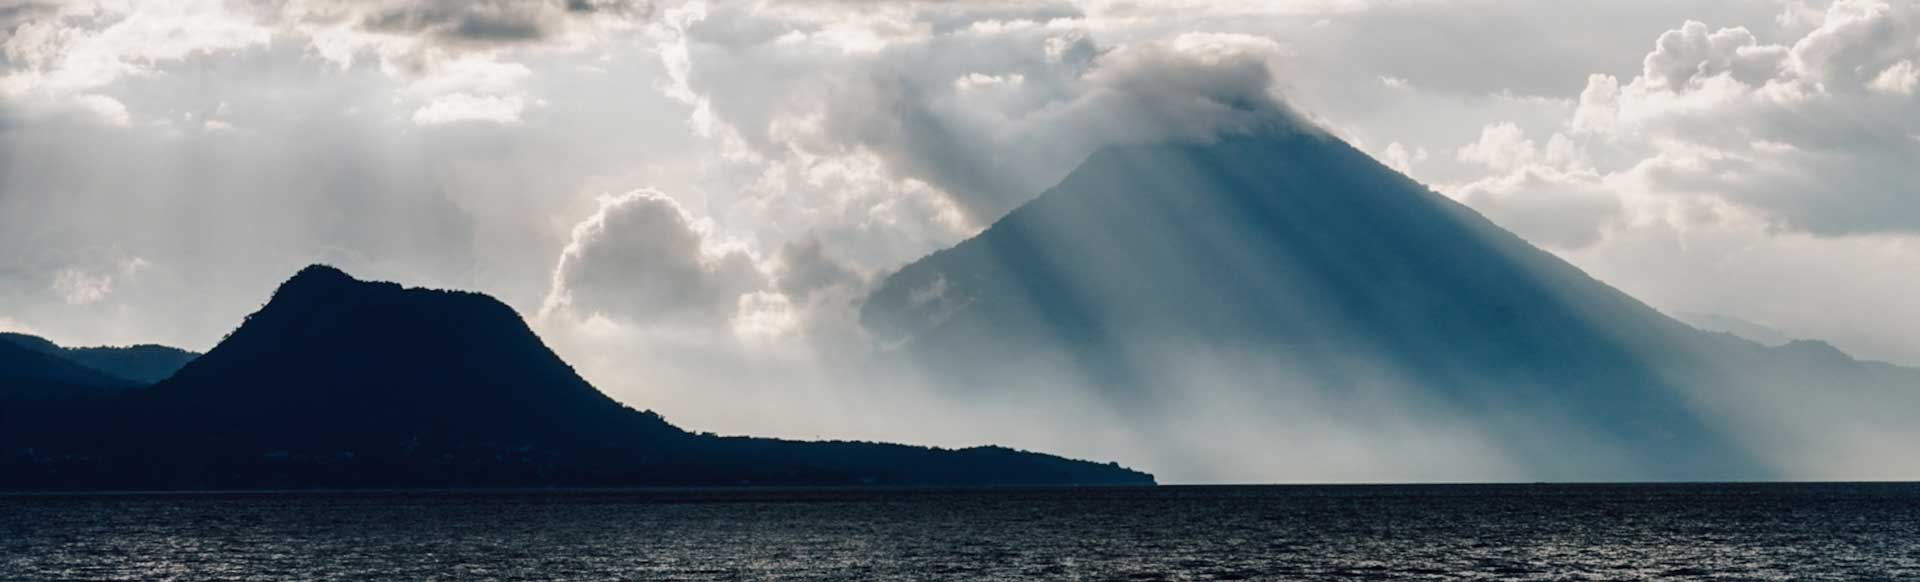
point(1812, 133)
point(106, 109)
point(1900, 79)
point(460, 57)
point(888, 132)
point(1684, 57)
point(1599, 104)
point(985, 103)
point(1558, 209)
point(1501, 147)
point(471, 74)
point(643, 265)
point(806, 268)
point(457, 107)
point(1856, 40)
point(1401, 159)
point(405, 33)
point(1711, 175)
point(58, 58)
point(480, 22)
point(471, 88)
point(80, 288)
point(1194, 88)
point(1551, 196)
point(641, 259)
point(82, 46)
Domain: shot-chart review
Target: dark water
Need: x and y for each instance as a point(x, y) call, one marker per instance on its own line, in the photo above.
point(1551, 532)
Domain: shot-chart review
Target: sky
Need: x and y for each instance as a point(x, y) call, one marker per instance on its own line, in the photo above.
point(670, 188)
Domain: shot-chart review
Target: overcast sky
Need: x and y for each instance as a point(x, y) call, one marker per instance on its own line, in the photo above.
point(665, 187)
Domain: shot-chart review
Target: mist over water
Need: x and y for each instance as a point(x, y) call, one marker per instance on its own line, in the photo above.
point(1215, 414)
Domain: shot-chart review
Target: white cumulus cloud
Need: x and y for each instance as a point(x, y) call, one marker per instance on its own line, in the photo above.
point(642, 259)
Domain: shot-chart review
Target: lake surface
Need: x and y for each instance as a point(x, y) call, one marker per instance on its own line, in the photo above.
point(1505, 532)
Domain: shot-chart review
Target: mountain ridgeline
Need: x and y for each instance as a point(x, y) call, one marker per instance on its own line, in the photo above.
point(26, 372)
point(90, 369)
point(338, 382)
point(1322, 272)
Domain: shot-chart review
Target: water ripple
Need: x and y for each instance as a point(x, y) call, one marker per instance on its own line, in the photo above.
point(1516, 532)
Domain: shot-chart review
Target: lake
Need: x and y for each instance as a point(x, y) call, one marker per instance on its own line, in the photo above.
point(1409, 532)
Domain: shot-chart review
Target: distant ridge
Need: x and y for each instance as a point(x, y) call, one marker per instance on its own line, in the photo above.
point(28, 373)
point(338, 382)
point(140, 364)
point(1735, 326)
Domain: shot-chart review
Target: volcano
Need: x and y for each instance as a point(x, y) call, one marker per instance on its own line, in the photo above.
point(1326, 273)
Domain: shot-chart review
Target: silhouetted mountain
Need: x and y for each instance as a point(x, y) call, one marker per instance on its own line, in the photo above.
point(334, 361)
point(343, 383)
point(29, 373)
point(142, 364)
point(1309, 254)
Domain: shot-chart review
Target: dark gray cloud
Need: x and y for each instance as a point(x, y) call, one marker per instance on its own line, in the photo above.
point(13, 13)
point(480, 23)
